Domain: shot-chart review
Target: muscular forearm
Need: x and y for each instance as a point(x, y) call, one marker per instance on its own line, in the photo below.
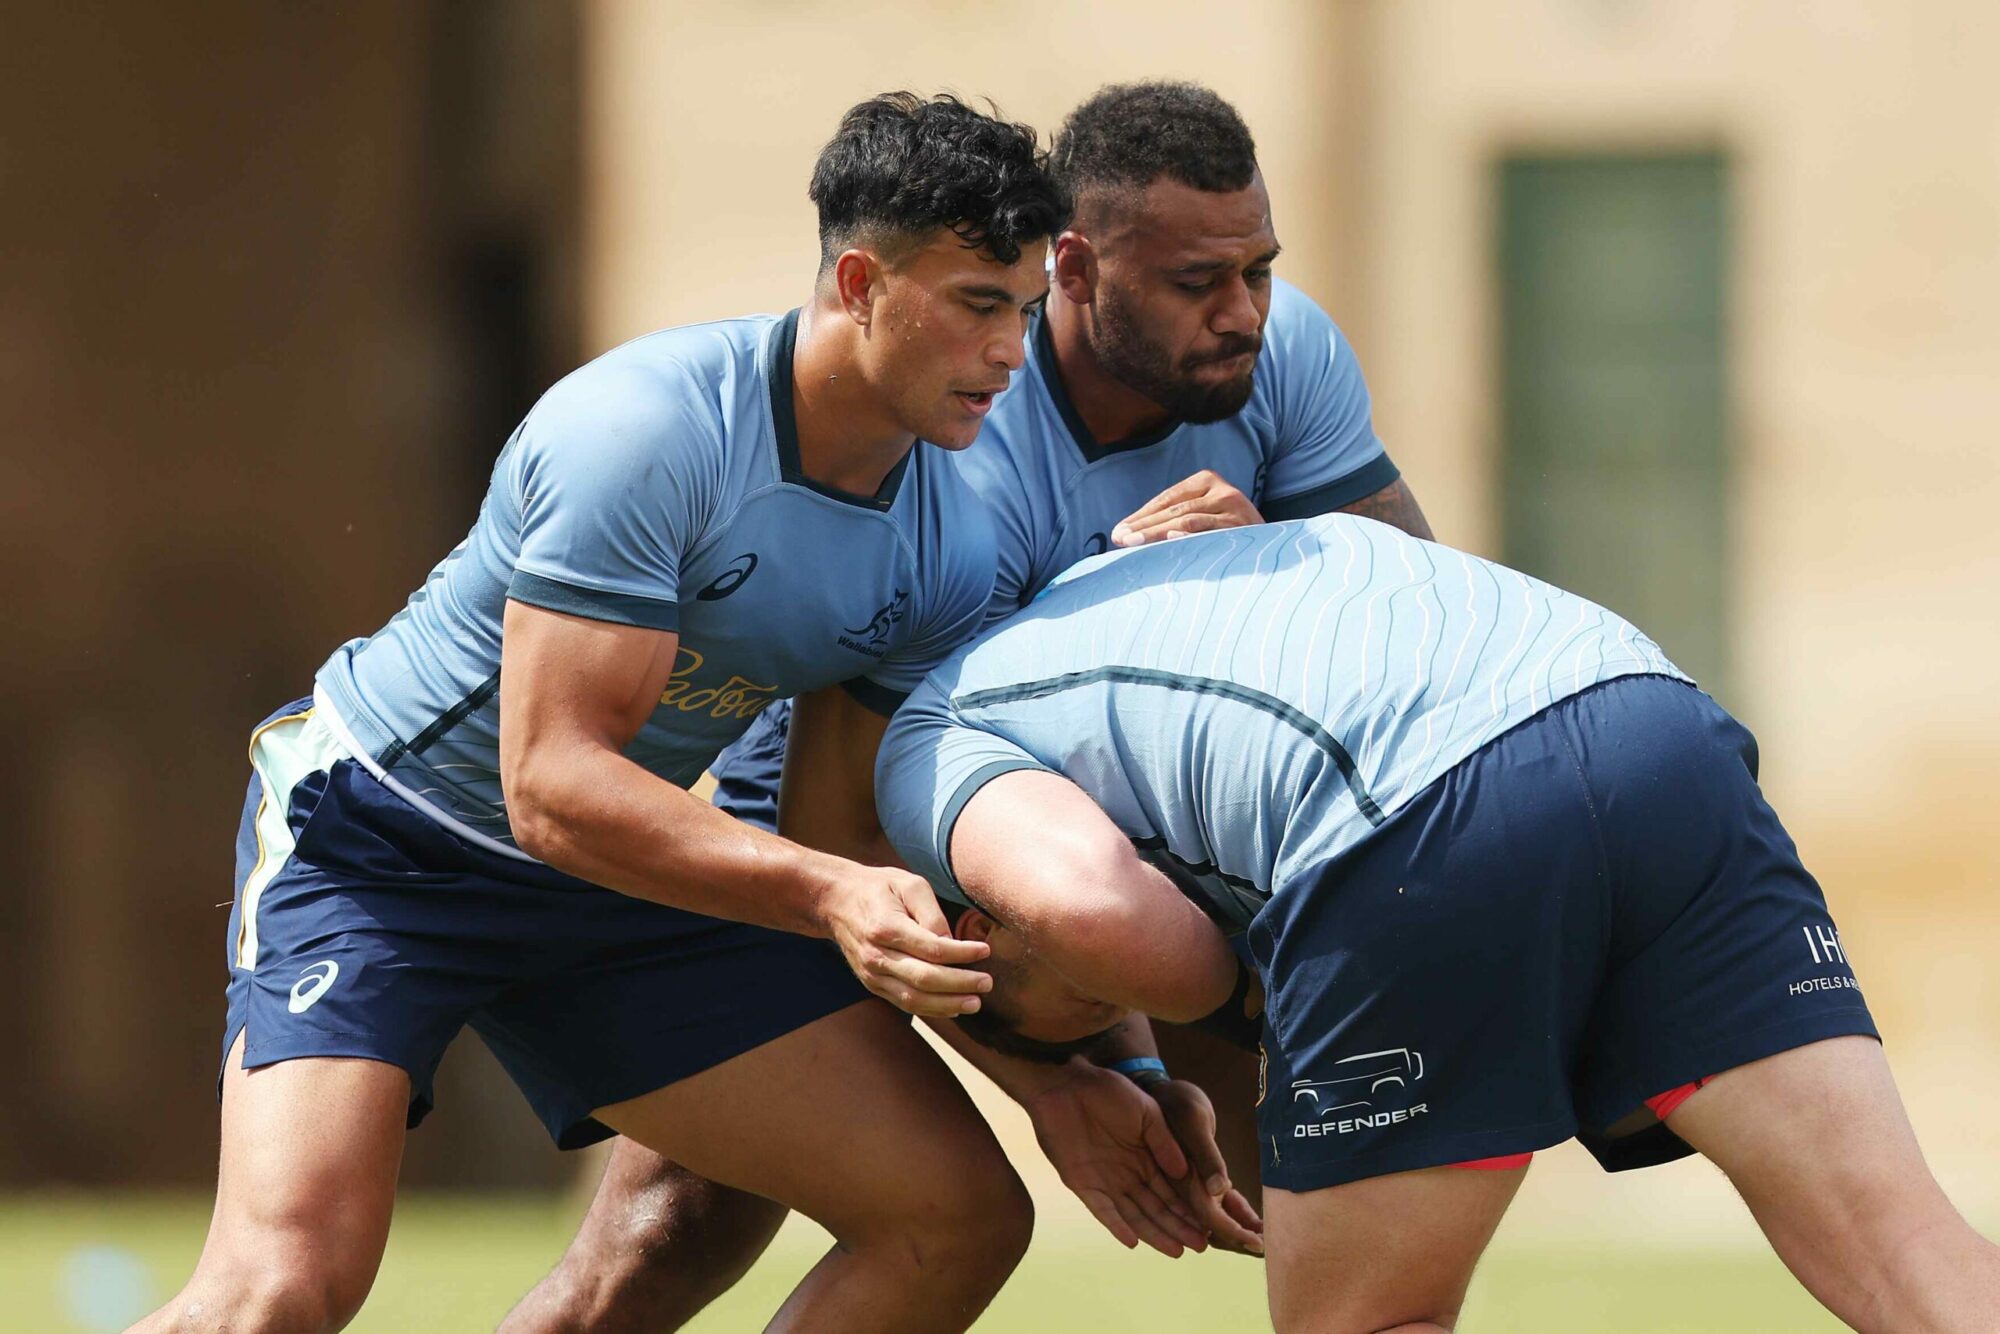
point(1131, 1037)
point(593, 813)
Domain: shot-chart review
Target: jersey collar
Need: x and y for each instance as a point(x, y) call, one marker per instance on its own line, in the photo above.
point(779, 345)
point(1045, 357)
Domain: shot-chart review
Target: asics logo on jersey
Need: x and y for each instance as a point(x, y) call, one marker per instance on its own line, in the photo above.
point(312, 985)
point(878, 628)
point(730, 579)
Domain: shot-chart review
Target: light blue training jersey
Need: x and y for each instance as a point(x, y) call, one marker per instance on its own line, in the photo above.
point(1304, 444)
point(1246, 704)
point(660, 486)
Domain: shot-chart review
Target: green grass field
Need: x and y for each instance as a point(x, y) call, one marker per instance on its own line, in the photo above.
point(457, 1263)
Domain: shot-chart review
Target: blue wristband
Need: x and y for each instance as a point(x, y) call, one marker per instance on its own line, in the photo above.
point(1140, 1069)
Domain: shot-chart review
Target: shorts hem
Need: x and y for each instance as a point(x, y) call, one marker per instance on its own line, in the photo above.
point(1446, 1151)
point(313, 1043)
point(1755, 1045)
point(579, 1128)
point(353, 1046)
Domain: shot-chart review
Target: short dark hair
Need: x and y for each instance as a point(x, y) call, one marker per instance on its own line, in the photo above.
point(1129, 135)
point(906, 165)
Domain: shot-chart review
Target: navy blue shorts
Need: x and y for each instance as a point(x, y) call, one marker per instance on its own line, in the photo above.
point(747, 773)
point(1595, 908)
point(372, 931)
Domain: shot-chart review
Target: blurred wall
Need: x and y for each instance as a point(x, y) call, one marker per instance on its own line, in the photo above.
point(278, 281)
point(703, 118)
point(1863, 327)
point(1864, 145)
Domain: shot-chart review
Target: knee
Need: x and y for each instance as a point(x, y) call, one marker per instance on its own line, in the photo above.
point(968, 1239)
point(985, 1236)
point(1005, 1225)
point(567, 1300)
point(1864, 1212)
point(311, 1300)
point(291, 1292)
point(1336, 1304)
point(651, 1263)
point(1320, 1319)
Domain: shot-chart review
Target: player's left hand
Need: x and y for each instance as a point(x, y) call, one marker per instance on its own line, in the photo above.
point(1110, 1144)
point(1218, 1206)
point(1199, 504)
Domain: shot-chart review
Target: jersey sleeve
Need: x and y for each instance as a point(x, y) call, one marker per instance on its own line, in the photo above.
point(1327, 454)
point(954, 585)
point(930, 765)
point(615, 474)
point(994, 473)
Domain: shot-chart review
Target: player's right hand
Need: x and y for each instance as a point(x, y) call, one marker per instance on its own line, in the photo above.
point(895, 938)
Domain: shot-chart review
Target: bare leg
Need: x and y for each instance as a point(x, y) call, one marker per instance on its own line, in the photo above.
point(855, 1122)
point(310, 1153)
point(1389, 1255)
point(658, 1245)
point(1817, 1142)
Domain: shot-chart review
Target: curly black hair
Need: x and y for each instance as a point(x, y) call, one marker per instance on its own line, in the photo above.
point(901, 166)
point(1129, 135)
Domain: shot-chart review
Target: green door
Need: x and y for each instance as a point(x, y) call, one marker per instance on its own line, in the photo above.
point(1616, 475)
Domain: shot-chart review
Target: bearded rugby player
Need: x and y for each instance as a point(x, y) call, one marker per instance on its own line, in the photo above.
point(1174, 385)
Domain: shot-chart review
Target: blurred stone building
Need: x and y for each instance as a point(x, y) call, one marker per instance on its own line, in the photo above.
point(1687, 304)
point(275, 283)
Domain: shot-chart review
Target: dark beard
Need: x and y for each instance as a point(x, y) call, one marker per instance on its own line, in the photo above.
point(1127, 357)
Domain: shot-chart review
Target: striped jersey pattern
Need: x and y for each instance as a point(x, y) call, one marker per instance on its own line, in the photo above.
point(1247, 704)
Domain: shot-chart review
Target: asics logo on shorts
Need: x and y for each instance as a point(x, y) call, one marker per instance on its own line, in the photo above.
point(312, 985)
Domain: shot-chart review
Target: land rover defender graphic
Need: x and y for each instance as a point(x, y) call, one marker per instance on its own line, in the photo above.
point(1359, 1078)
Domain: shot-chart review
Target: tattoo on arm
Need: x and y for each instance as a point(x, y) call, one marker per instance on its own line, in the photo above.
point(1394, 505)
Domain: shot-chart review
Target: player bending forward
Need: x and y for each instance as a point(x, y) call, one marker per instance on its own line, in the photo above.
point(1505, 875)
